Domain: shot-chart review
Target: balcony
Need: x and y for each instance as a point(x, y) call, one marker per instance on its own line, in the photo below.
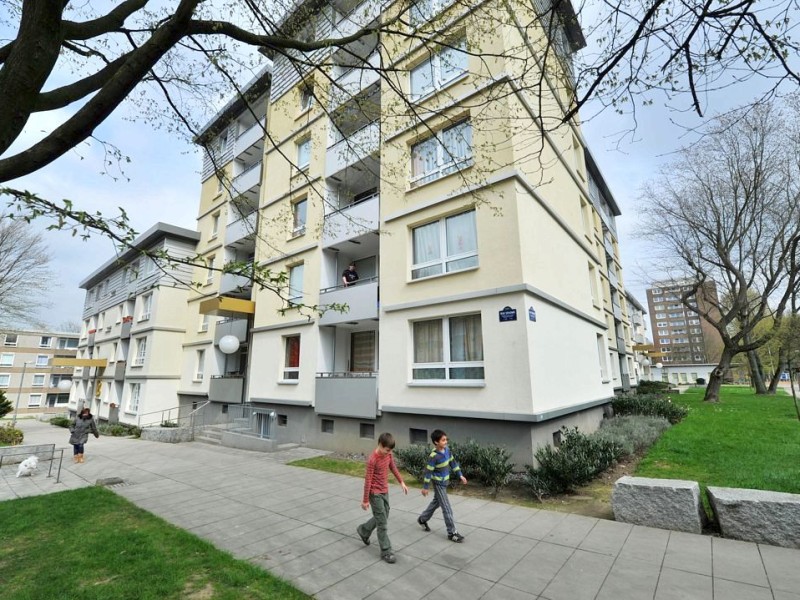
point(90, 339)
point(621, 345)
point(347, 395)
point(352, 149)
point(234, 327)
point(361, 16)
point(241, 230)
point(612, 278)
point(119, 370)
point(353, 81)
point(637, 318)
point(234, 285)
point(352, 221)
point(248, 182)
point(361, 299)
point(608, 244)
point(125, 330)
point(251, 141)
point(226, 388)
point(615, 308)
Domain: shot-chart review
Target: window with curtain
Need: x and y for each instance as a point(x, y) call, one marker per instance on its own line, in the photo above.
point(295, 284)
point(444, 246)
point(291, 362)
point(447, 349)
point(445, 153)
point(440, 69)
point(362, 352)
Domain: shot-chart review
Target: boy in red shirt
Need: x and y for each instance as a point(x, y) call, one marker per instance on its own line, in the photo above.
point(376, 494)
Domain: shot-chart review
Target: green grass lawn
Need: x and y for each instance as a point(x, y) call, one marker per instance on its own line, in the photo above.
point(344, 466)
point(90, 543)
point(745, 441)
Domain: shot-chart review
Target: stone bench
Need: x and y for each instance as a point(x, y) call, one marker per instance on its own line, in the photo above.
point(757, 516)
point(663, 503)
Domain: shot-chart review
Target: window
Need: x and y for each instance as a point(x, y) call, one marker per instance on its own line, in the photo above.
point(661, 316)
point(445, 246)
point(295, 284)
point(67, 342)
point(601, 353)
point(664, 341)
point(41, 360)
point(291, 362)
point(200, 365)
point(210, 266)
point(663, 332)
point(5, 380)
point(593, 285)
point(693, 376)
point(149, 266)
point(306, 97)
point(299, 217)
point(133, 271)
point(45, 341)
point(11, 339)
point(214, 225)
point(38, 380)
point(203, 323)
point(133, 400)
point(221, 144)
point(694, 321)
point(147, 305)
point(366, 430)
point(448, 349)
point(141, 351)
point(34, 400)
point(303, 154)
point(6, 359)
point(422, 11)
point(661, 324)
point(441, 68)
point(327, 426)
point(283, 420)
point(418, 436)
point(445, 153)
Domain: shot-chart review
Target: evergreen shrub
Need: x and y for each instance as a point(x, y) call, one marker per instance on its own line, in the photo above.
point(653, 405)
point(633, 433)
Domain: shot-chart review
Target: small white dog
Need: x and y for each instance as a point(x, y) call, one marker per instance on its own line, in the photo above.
point(27, 466)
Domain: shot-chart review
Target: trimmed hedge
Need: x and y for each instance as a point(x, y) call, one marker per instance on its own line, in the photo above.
point(651, 387)
point(653, 405)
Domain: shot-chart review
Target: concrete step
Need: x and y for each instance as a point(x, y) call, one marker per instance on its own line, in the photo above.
point(208, 440)
point(286, 447)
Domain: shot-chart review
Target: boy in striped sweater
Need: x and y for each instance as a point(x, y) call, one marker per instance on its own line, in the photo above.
point(376, 495)
point(441, 464)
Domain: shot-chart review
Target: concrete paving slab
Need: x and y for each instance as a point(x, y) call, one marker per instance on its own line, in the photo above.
point(534, 572)
point(500, 557)
point(732, 590)
point(630, 580)
point(688, 552)
point(645, 544)
point(502, 592)
point(606, 537)
point(738, 561)
point(680, 585)
point(580, 578)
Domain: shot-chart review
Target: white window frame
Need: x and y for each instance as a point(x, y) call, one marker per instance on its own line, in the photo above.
point(210, 262)
point(33, 403)
point(294, 288)
point(304, 153)
point(7, 359)
point(133, 271)
point(446, 163)
point(204, 319)
point(306, 97)
point(43, 344)
point(11, 344)
point(147, 306)
point(214, 225)
point(42, 360)
point(299, 217)
point(134, 398)
point(291, 374)
point(447, 364)
point(200, 359)
point(38, 380)
point(437, 66)
point(443, 261)
point(5, 380)
point(141, 352)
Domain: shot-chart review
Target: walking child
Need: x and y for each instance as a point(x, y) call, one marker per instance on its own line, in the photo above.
point(82, 425)
point(376, 495)
point(441, 464)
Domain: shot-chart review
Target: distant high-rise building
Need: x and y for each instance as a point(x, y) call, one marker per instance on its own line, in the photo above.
point(681, 336)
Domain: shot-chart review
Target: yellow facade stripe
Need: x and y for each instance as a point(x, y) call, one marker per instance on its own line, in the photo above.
point(79, 362)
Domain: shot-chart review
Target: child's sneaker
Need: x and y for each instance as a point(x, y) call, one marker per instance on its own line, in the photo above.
point(456, 537)
point(423, 524)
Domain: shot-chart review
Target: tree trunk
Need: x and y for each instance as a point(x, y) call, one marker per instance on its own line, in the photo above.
point(715, 378)
point(776, 377)
point(755, 372)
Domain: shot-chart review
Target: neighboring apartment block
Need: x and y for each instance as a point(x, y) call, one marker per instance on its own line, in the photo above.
point(27, 374)
point(134, 318)
point(489, 299)
point(681, 336)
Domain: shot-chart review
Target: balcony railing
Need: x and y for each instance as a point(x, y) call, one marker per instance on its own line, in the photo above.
point(351, 221)
point(352, 149)
point(354, 80)
point(249, 138)
point(361, 299)
point(240, 229)
point(248, 179)
point(361, 16)
point(347, 395)
point(119, 370)
point(234, 327)
point(234, 284)
point(226, 388)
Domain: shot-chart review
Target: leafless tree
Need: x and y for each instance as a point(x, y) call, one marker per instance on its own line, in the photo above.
point(24, 272)
point(728, 210)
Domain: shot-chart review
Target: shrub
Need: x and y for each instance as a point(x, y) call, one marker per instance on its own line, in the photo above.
point(10, 436)
point(700, 381)
point(61, 421)
point(649, 404)
point(468, 455)
point(119, 429)
point(575, 462)
point(169, 424)
point(632, 433)
point(5, 405)
point(494, 468)
point(651, 387)
point(413, 459)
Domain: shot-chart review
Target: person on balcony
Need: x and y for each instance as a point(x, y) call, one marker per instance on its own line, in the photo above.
point(349, 275)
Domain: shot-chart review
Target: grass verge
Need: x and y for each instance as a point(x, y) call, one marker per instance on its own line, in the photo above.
point(92, 544)
point(745, 441)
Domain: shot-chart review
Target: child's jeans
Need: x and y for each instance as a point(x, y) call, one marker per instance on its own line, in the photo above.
point(77, 448)
point(379, 520)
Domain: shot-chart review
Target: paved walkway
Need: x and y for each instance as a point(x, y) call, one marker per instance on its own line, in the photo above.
point(300, 525)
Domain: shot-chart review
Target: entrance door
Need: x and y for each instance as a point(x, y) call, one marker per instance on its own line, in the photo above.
point(363, 353)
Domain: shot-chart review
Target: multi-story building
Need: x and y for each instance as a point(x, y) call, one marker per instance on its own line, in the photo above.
point(134, 317)
point(27, 374)
point(685, 343)
point(490, 299)
point(642, 346)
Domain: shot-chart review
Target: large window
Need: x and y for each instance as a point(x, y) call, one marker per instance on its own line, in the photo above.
point(11, 339)
point(448, 349)
point(299, 209)
point(440, 69)
point(296, 284)
point(444, 246)
point(147, 305)
point(291, 362)
point(133, 399)
point(141, 352)
point(34, 400)
point(6, 359)
point(445, 153)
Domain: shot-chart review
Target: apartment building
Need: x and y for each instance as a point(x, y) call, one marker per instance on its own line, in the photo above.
point(685, 343)
point(489, 301)
point(27, 374)
point(134, 318)
point(642, 346)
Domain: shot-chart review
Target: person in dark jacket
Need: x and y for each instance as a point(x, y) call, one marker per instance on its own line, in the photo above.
point(80, 428)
